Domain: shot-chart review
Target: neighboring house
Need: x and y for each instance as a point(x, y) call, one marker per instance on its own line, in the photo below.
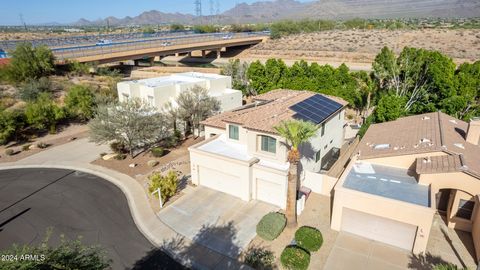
point(245, 157)
point(407, 170)
point(161, 90)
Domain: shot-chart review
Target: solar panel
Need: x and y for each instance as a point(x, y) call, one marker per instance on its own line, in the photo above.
point(316, 109)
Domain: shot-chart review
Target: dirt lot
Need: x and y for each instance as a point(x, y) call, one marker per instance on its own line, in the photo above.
point(359, 47)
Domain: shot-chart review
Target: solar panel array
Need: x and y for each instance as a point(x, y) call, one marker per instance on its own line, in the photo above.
point(315, 109)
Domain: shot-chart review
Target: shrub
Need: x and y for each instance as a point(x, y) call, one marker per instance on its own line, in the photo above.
point(157, 151)
point(152, 163)
point(120, 157)
point(42, 145)
point(446, 266)
point(294, 257)
point(259, 258)
point(167, 184)
point(271, 226)
point(309, 238)
point(117, 147)
point(9, 152)
point(26, 147)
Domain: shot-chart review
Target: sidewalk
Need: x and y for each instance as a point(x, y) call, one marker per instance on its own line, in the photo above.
point(77, 155)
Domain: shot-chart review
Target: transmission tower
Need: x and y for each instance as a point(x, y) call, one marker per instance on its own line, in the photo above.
point(198, 8)
point(23, 22)
point(212, 7)
point(217, 12)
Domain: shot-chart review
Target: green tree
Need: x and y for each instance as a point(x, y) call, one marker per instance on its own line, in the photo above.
point(238, 72)
point(177, 27)
point(389, 108)
point(295, 133)
point(80, 102)
point(257, 77)
point(134, 123)
point(44, 113)
point(11, 125)
point(30, 62)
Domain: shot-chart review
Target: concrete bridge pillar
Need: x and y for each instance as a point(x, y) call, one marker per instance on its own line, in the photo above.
point(203, 53)
point(136, 62)
point(189, 54)
point(177, 54)
point(219, 53)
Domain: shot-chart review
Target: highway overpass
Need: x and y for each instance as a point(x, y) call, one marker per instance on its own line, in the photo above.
point(152, 47)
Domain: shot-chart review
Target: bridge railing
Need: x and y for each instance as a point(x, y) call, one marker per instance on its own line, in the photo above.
point(124, 46)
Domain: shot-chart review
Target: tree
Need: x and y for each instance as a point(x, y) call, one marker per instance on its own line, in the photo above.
point(11, 124)
point(172, 114)
point(134, 123)
point(295, 133)
point(69, 254)
point(389, 108)
point(80, 102)
point(30, 62)
point(238, 72)
point(177, 27)
point(44, 113)
point(195, 105)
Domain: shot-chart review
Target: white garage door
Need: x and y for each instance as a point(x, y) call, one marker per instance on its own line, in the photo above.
point(380, 229)
point(271, 192)
point(220, 181)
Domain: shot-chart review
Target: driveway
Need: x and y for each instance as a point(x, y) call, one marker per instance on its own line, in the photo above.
point(216, 220)
point(355, 252)
point(74, 204)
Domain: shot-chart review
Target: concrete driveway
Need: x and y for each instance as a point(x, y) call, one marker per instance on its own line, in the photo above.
point(216, 220)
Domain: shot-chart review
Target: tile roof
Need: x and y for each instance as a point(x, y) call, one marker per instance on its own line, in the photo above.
point(439, 164)
point(268, 110)
point(425, 133)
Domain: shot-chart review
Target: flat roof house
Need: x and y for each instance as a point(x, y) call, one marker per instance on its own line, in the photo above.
point(404, 173)
point(245, 157)
point(161, 90)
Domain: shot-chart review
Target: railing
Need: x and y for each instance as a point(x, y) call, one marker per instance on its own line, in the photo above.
point(124, 46)
point(345, 154)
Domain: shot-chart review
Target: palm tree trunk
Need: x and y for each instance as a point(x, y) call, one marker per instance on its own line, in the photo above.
point(292, 195)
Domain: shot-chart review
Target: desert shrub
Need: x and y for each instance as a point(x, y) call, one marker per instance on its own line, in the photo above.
point(152, 163)
point(295, 258)
point(259, 258)
point(30, 90)
point(120, 157)
point(447, 266)
point(157, 151)
point(271, 226)
point(26, 147)
point(42, 145)
point(309, 238)
point(9, 152)
point(117, 147)
point(167, 184)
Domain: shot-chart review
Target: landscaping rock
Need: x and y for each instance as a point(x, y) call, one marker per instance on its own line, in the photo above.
point(109, 156)
point(152, 163)
point(33, 146)
point(132, 165)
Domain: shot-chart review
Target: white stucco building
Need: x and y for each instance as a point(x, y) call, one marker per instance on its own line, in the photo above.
point(159, 91)
point(245, 157)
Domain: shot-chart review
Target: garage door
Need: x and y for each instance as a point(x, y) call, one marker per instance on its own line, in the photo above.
point(220, 181)
point(380, 229)
point(271, 192)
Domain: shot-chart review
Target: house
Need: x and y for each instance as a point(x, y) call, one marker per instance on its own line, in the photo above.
point(405, 172)
point(244, 156)
point(161, 90)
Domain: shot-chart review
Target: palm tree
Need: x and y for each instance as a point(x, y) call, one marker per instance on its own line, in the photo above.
point(295, 133)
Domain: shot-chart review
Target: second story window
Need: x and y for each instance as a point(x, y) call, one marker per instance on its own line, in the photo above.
point(268, 144)
point(233, 132)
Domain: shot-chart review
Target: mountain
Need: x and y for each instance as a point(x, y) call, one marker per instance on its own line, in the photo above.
point(268, 11)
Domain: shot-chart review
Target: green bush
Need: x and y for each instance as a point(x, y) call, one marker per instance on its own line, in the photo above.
point(294, 257)
point(447, 266)
point(117, 147)
point(167, 184)
point(309, 238)
point(259, 258)
point(271, 226)
point(120, 157)
point(157, 151)
point(9, 152)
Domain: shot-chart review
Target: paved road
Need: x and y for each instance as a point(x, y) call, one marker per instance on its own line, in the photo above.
point(73, 204)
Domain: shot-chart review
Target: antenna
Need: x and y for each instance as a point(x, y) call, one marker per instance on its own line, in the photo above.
point(198, 8)
point(23, 22)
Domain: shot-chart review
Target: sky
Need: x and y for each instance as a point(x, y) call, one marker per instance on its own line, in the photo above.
point(68, 11)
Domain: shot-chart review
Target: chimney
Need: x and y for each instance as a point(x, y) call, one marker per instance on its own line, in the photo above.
point(473, 132)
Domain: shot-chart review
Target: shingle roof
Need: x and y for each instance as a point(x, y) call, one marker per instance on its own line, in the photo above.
point(425, 133)
point(268, 110)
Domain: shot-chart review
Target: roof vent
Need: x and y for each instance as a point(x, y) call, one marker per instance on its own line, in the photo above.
point(381, 146)
point(425, 140)
point(459, 145)
point(427, 160)
point(425, 118)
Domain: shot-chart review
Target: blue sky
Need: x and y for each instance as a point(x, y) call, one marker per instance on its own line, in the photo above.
point(66, 11)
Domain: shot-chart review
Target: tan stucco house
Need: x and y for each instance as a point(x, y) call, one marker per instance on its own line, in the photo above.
point(404, 172)
point(245, 157)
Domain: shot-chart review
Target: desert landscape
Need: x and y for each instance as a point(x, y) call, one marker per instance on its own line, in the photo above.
point(359, 47)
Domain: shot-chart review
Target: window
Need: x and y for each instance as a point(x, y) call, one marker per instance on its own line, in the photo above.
point(465, 209)
point(317, 156)
point(323, 129)
point(269, 144)
point(233, 132)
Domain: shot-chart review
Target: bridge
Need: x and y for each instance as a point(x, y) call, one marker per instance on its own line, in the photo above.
point(152, 47)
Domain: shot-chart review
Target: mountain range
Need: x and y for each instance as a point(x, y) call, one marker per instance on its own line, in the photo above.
point(268, 11)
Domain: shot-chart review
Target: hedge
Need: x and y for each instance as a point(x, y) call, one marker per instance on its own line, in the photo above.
point(294, 257)
point(271, 226)
point(309, 238)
